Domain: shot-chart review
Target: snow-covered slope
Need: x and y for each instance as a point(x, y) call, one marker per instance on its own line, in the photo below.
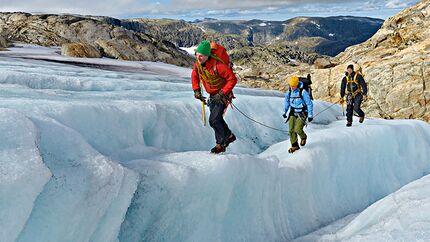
point(97, 155)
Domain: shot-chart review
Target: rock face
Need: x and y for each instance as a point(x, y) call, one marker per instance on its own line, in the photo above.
point(56, 30)
point(3, 43)
point(80, 50)
point(268, 66)
point(396, 66)
point(395, 63)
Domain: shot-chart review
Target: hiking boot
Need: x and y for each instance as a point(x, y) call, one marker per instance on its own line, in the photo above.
point(303, 142)
point(218, 149)
point(348, 124)
point(361, 120)
point(292, 149)
point(230, 139)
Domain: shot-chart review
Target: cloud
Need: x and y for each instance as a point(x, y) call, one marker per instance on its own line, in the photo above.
point(125, 7)
point(396, 4)
point(189, 8)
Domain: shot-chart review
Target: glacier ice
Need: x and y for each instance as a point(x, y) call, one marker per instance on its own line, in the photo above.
point(98, 155)
point(401, 216)
point(22, 172)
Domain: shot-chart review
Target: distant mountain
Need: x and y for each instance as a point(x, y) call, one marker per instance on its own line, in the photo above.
point(179, 32)
point(326, 36)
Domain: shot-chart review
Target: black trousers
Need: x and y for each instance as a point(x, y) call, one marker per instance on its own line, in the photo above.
point(217, 122)
point(353, 104)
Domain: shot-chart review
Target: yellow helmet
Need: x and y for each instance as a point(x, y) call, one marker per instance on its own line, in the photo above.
point(294, 81)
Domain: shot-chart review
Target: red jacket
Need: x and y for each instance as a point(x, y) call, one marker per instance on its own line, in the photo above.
point(218, 69)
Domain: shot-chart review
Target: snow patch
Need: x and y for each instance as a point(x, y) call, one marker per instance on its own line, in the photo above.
point(190, 50)
point(318, 25)
point(204, 31)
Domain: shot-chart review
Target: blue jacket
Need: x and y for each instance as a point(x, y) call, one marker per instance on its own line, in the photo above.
point(297, 103)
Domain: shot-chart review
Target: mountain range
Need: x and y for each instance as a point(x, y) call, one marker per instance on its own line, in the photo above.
point(326, 36)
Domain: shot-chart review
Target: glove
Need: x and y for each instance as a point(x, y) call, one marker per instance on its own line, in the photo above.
point(198, 95)
point(220, 97)
point(364, 98)
point(284, 115)
point(310, 119)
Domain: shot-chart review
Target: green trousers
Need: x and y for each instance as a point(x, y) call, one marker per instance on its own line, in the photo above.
point(295, 126)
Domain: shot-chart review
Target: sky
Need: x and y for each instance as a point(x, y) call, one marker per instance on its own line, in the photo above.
point(219, 9)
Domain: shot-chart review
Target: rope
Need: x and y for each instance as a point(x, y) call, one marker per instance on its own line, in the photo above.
point(267, 126)
point(325, 109)
point(258, 122)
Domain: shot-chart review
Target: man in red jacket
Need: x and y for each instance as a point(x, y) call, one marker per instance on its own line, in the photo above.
point(219, 81)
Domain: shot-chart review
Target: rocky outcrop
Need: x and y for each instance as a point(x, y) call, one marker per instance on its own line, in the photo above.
point(80, 50)
point(396, 66)
point(322, 63)
point(395, 63)
point(275, 54)
point(3, 43)
point(56, 30)
point(269, 66)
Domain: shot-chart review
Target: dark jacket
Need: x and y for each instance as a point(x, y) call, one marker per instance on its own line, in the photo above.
point(353, 87)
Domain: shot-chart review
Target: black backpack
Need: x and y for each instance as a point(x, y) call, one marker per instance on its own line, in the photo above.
point(306, 81)
point(307, 85)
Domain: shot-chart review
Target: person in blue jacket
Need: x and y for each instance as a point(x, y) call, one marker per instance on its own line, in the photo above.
point(299, 103)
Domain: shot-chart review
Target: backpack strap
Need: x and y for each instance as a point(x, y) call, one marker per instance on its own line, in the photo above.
point(216, 63)
point(214, 80)
point(354, 80)
point(305, 107)
point(300, 93)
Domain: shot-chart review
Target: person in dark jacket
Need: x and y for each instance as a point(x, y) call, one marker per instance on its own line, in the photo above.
point(356, 92)
point(219, 81)
point(299, 103)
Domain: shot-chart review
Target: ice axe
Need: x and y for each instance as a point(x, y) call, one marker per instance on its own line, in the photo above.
point(203, 108)
point(203, 113)
point(343, 110)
